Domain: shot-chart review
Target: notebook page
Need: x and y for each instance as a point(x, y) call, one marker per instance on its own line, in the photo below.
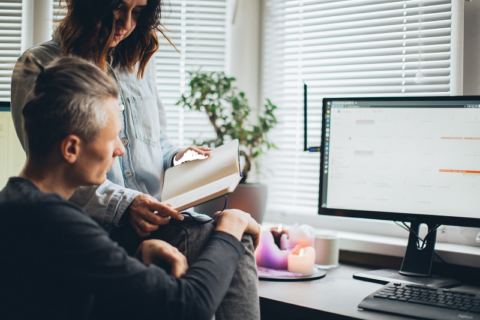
point(204, 193)
point(223, 161)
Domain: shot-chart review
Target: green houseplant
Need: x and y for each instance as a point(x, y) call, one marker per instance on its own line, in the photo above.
point(229, 113)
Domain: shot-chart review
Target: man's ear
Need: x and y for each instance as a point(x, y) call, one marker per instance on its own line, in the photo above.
point(70, 148)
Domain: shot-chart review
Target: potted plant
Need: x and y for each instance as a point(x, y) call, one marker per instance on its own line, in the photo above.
point(229, 113)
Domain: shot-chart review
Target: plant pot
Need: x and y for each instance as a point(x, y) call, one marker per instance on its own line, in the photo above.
point(248, 197)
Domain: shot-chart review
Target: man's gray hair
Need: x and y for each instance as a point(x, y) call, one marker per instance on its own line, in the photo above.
point(68, 98)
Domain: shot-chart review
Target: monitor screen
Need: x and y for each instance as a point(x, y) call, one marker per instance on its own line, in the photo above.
point(402, 159)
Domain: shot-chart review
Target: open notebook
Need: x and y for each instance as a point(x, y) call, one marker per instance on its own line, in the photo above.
point(199, 181)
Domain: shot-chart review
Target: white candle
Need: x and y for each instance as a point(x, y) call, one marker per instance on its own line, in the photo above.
point(302, 261)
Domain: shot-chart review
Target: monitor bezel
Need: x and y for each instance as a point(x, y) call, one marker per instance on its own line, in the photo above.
point(389, 216)
point(4, 105)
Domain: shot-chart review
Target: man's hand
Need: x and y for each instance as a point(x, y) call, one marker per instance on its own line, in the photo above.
point(201, 151)
point(237, 222)
point(146, 214)
point(162, 254)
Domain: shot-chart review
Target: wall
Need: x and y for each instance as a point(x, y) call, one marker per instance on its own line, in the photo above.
point(471, 72)
point(244, 47)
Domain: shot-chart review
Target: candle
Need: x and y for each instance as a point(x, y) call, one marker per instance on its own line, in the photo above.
point(302, 235)
point(302, 261)
point(284, 242)
point(268, 255)
point(277, 234)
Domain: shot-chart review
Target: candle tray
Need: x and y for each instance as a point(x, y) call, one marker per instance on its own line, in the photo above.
point(284, 275)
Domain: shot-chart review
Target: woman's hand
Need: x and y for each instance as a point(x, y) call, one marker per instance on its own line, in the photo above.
point(236, 223)
point(147, 214)
point(163, 255)
point(202, 151)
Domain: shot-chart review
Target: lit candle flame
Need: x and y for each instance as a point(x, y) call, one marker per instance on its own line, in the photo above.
point(279, 227)
point(301, 252)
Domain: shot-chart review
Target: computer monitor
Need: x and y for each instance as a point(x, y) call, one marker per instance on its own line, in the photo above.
point(4, 106)
point(12, 155)
point(406, 159)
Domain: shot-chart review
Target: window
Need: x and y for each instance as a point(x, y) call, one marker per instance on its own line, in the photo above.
point(59, 11)
point(10, 42)
point(344, 48)
point(198, 30)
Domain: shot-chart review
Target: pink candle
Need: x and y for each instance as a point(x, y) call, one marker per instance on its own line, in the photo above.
point(268, 255)
point(277, 234)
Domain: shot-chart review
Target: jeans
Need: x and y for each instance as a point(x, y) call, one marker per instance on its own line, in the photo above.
point(241, 300)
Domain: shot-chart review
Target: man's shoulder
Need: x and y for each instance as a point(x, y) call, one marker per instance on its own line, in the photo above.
point(21, 197)
point(45, 52)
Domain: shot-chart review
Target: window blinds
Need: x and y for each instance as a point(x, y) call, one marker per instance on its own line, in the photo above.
point(343, 48)
point(10, 42)
point(59, 11)
point(198, 30)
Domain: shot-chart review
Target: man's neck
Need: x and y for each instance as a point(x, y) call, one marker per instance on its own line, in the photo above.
point(48, 180)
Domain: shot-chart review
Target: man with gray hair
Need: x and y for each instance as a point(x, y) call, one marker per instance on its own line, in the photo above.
point(58, 263)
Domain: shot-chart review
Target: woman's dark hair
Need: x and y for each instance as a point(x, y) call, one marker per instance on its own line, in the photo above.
point(68, 98)
point(88, 29)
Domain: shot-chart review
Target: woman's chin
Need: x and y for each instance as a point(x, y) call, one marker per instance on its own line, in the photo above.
point(114, 43)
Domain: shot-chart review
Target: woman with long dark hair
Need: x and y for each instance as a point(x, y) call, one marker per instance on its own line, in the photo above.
point(120, 37)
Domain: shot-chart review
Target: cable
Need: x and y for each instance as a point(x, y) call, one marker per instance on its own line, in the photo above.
point(398, 224)
point(424, 240)
point(414, 233)
point(199, 221)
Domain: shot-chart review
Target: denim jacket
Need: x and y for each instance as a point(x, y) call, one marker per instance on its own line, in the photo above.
point(148, 151)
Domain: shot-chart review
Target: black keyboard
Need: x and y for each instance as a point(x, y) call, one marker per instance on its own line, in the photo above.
point(424, 302)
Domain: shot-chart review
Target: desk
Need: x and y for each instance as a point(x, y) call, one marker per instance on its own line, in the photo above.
point(336, 296)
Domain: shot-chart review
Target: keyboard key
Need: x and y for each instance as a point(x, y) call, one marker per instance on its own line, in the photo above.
point(381, 296)
point(431, 304)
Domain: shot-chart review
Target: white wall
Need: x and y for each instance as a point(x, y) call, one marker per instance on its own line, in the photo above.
point(37, 22)
point(471, 72)
point(243, 60)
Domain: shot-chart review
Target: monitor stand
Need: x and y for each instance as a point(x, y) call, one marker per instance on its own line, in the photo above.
point(416, 266)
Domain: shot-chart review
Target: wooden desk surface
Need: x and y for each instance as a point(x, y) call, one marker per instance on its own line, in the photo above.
point(336, 296)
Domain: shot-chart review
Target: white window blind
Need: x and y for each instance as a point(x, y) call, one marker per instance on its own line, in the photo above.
point(198, 30)
point(10, 42)
point(343, 48)
point(59, 11)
